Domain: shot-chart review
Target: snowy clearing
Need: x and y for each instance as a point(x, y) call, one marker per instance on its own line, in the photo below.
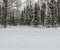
point(27, 38)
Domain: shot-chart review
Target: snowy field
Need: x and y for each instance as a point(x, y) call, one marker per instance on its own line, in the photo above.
point(28, 38)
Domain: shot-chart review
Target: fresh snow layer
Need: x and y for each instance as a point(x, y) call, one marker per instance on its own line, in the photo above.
point(28, 38)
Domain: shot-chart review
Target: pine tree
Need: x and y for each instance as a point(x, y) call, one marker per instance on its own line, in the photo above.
point(0, 15)
point(39, 13)
point(58, 7)
point(22, 19)
point(30, 13)
point(27, 15)
point(5, 12)
point(43, 11)
point(53, 9)
point(36, 18)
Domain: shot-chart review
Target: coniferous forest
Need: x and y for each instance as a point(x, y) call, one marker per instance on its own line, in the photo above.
point(41, 13)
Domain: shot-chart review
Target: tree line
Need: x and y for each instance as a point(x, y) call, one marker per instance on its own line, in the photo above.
point(33, 14)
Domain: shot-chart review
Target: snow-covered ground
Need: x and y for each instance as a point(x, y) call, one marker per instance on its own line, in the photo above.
point(28, 38)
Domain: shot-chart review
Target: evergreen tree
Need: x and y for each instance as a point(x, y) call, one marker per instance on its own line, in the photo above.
point(0, 14)
point(43, 11)
point(36, 18)
point(58, 6)
point(22, 19)
point(5, 12)
point(27, 15)
point(53, 10)
point(30, 13)
point(39, 14)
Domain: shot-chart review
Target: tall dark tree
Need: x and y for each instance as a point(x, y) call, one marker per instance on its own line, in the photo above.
point(5, 12)
point(30, 13)
point(22, 18)
point(58, 6)
point(36, 18)
point(26, 15)
point(0, 13)
point(43, 11)
point(53, 9)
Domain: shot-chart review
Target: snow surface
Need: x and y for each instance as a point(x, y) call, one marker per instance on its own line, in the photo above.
point(28, 38)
